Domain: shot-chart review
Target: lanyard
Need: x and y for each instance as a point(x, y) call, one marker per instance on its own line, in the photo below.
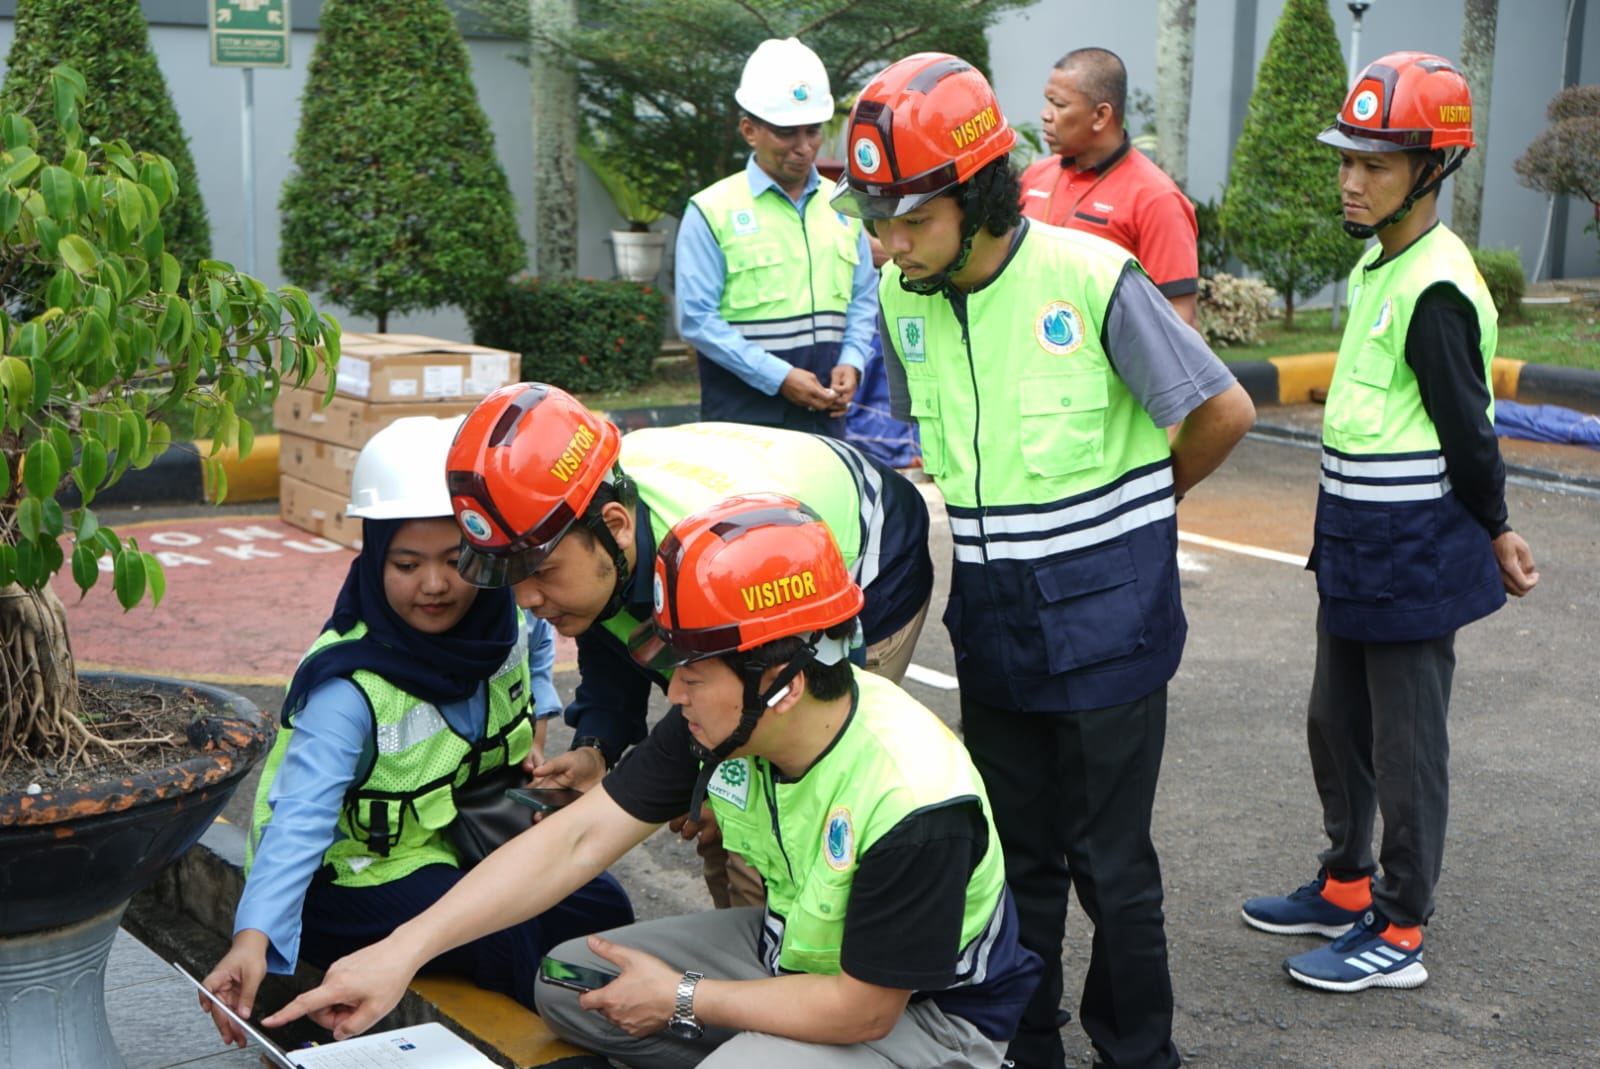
point(1098, 178)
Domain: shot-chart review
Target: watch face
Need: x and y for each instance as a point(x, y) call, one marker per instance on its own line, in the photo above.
point(685, 1028)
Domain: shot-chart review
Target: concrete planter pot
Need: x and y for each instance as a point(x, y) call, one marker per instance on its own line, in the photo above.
point(637, 254)
point(71, 860)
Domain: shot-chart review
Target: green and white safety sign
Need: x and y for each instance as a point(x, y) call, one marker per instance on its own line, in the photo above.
point(249, 33)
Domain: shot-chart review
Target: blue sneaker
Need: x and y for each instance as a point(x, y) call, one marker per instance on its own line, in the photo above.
point(1359, 959)
point(1302, 912)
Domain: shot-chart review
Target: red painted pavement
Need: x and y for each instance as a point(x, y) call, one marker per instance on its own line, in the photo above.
point(245, 596)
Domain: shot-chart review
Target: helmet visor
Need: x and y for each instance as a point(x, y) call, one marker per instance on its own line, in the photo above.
point(850, 201)
point(662, 649)
point(490, 570)
point(1361, 139)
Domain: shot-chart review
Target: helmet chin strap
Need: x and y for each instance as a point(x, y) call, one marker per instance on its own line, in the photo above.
point(602, 533)
point(940, 281)
point(756, 703)
point(1361, 231)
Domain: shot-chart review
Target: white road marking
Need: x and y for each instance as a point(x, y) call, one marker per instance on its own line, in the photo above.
point(1242, 549)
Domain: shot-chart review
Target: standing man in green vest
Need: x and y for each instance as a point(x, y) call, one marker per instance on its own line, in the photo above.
point(1412, 535)
point(776, 290)
point(888, 937)
point(1043, 368)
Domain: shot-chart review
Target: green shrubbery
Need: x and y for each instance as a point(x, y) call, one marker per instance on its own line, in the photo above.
point(582, 335)
point(1231, 310)
point(1502, 273)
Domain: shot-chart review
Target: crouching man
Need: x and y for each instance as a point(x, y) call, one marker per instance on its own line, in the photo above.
point(888, 937)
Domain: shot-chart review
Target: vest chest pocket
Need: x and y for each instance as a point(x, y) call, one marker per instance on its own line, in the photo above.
point(814, 928)
point(1355, 554)
point(847, 254)
point(1089, 608)
point(1360, 412)
point(925, 410)
point(755, 274)
point(1062, 422)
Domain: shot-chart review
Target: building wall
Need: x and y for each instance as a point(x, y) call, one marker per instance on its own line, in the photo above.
point(1230, 37)
point(1529, 59)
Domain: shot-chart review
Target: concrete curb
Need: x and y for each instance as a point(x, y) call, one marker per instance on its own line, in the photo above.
point(178, 475)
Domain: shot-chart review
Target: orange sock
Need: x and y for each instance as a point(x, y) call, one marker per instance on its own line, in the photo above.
point(1409, 938)
point(1348, 894)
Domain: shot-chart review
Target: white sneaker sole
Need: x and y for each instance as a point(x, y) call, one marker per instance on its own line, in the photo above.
point(1332, 931)
point(1413, 975)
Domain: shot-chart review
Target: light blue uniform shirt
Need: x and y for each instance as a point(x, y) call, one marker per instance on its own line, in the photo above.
point(332, 739)
point(701, 269)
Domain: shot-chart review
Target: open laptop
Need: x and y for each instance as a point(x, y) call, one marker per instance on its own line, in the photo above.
point(423, 1046)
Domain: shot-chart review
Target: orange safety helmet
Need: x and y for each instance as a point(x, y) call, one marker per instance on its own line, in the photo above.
point(1404, 102)
point(523, 468)
point(744, 572)
point(923, 126)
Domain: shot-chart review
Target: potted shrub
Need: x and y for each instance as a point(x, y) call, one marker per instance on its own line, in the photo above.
point(639, 189)
point(102, 338)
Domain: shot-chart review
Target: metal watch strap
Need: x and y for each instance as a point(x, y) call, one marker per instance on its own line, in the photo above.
point(683, 1008)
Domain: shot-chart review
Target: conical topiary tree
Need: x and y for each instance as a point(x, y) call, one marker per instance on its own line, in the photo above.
point(398, 203)
point(1281, 210)
point(108, 42)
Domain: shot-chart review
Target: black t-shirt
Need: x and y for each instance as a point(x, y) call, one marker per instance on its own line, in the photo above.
point(902, 924)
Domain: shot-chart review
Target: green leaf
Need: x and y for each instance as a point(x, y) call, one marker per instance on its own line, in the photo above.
point(92, 467)
point(62, 292)
point(55, 522)
point(127, 578)
point(247, 438)
point(219, 297)
point(88, 524)
point(30, 565)
point(5, 479)
point(15, 130)
point(41, 469)
point(16, 385)
point(76, 162)
point(30, 518)
point(154, 178)
point(218, 478)
point(60, 191)
point(85, 567)
point(155, 577)
point(79, 254)
point(8, 564)
point(10, 210)
point(18, 163)
point(95, 343)
point(171, 273)
point(129, 205)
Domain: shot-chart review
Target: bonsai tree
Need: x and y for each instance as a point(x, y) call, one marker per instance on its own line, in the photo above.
point(639, 188)
point(398, 204)
point(123, 340)
point(1281, 210)
point(1564, 160)
point(107, 42)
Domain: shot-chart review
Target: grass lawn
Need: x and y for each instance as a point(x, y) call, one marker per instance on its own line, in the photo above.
point(1567, 335)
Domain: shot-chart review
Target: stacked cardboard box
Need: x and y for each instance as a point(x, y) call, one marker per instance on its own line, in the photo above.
point(381, 378)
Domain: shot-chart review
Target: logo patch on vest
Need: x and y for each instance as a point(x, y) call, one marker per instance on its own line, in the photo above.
point(913, 338)
point(1059, 328)
point(731, 782)
point(1381, 324)
point(744, 221)
point(839, 843)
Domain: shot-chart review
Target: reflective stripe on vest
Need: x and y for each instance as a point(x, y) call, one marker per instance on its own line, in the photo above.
point(1398, 478)
point(1064, 526)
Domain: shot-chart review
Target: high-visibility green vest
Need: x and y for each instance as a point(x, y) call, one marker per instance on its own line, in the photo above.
point(395, 815)
point(1398, 557)
point(806, 837)
point(1057, 483)
point(681, 470)
point(789, 281)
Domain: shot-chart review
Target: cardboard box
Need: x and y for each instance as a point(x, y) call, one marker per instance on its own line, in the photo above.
point(316, 462)
point(317, 510)
point(411, 368)
point(347, 421)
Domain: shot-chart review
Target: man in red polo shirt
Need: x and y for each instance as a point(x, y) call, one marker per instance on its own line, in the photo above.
point(1098, 182)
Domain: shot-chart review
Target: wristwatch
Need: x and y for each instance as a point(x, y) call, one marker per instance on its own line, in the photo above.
point(684, 1024)
point(590, 740)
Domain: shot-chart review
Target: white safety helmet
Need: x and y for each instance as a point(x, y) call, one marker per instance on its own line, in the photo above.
point(785, 84)
point(400, 472)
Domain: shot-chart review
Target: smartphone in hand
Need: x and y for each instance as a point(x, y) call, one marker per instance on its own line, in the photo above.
point(574, 977)
point(544, 799)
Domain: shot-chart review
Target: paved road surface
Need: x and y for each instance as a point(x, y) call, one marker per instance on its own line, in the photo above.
point(1514, 945)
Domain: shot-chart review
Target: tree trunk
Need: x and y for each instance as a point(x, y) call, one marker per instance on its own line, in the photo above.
point(553, 83)
point(38, 681)
point(1174, 86)
point(1478, 21)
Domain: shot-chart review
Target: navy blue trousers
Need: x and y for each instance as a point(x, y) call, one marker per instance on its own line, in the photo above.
point(336, 921)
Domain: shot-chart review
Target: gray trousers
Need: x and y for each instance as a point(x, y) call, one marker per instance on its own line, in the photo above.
point(1379, 744)
point(722, 944)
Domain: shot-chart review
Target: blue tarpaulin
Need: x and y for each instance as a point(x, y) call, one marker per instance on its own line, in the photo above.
point(870, 428)
point(1546, 423)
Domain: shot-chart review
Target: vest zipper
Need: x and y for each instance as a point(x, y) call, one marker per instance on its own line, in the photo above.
point(770, 790)
point(958, 305)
